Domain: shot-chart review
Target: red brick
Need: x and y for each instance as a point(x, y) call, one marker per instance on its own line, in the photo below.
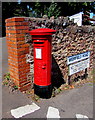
point(17, 27)
point(13, 71)
point(21, 65)
point(21, 49)
point(16, 24)
point(13, 24)
point(27, 69)
point(13, 64)
point(20, 59)
point(13, 56)
point(17, 83)
point(20, 39)
point(12, 49)
point(22, 27)
point(14, 68)
point(23, 77)
point(15, 35)
point(26, 51)
point(23, 74)
point(14, 75)
point(10, 31)
point(22, 56)
point(12, 42)
point(23, 81)
point(18, 19)
point(24, 69)
point(25, 87)
point(17, 31)
point(15, 19)
point(24, 65)
point(12, 46)
point(21, 42)
point(25, 45)
point(24, 23)
point(13, 53)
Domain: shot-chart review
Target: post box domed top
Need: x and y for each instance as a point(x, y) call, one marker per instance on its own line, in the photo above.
point(42, 31)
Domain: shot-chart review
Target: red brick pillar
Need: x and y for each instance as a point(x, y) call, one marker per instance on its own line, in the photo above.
point(16, 28)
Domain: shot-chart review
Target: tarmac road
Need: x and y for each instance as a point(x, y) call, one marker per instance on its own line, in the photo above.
point(69, 102)
point(3, 65)
point(4, 56)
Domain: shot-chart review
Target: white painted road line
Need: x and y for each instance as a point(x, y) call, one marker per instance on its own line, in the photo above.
point(24, 110)
point(80, 117)
point(53, 113)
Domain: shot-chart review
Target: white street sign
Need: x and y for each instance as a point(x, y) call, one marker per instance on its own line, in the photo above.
point(78, 57)
point(76, 67)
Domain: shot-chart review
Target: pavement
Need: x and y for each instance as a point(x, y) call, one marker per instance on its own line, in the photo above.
point(67, 104)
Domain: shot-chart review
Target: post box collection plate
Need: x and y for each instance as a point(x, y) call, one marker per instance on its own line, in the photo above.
point(38, 52)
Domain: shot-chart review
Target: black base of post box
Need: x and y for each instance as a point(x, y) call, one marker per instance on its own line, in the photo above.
point(43, 91)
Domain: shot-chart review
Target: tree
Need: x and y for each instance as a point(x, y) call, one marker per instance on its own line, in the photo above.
point(49, 9)
point(70, 8)
point(7, 12)
point(53, 10)
point(21, 10)
point(38, 9)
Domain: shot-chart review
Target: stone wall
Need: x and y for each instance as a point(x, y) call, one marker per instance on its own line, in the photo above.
point(69, 40)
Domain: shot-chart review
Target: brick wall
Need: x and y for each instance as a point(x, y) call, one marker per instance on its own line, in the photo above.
point(16, 28)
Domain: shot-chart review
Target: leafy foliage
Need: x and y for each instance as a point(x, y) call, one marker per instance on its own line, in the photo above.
point(15, 87)
point(38, 9)
point(36, 12)
point(53, 10)
point(7, 76)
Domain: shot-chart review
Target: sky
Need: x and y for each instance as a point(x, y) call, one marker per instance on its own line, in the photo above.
point(19, 1)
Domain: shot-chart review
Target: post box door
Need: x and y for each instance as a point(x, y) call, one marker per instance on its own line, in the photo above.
point(42, 64)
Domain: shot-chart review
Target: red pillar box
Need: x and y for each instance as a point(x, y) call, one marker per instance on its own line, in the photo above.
point(42, 61)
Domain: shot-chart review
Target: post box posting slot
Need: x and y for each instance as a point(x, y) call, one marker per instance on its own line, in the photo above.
point(38, 42)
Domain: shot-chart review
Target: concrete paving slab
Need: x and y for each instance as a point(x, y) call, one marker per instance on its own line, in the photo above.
point(53, 112)
point(81, 117)
point(24, 110)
